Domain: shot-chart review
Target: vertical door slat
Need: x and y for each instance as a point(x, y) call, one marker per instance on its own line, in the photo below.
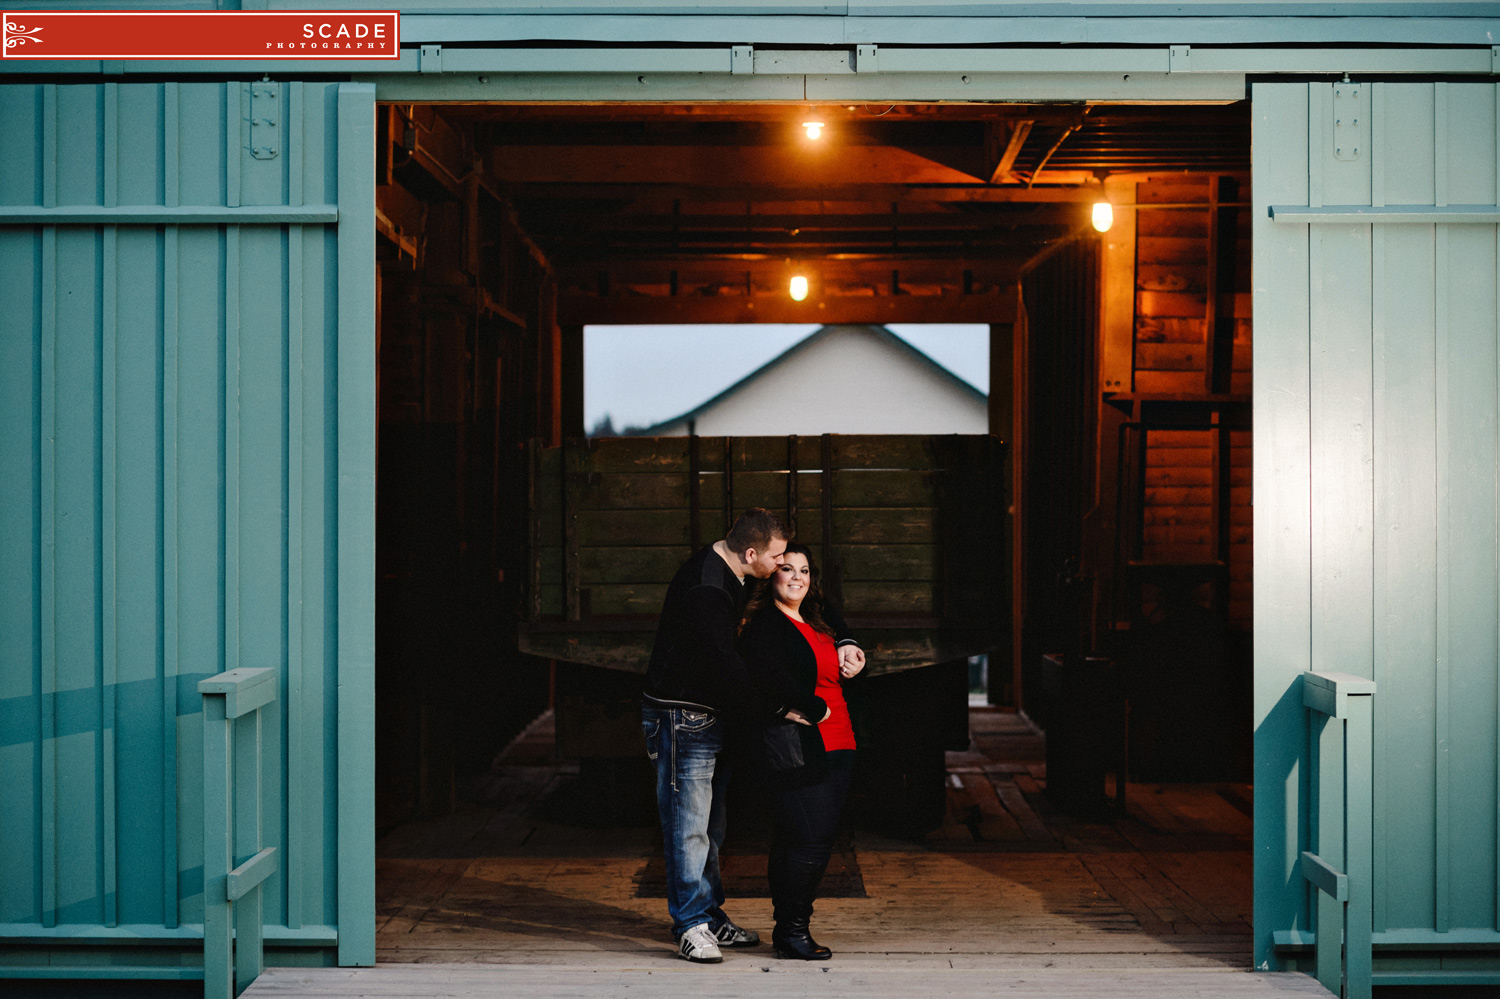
point(171, 667)
point(1442, 803)
point(1283, 572)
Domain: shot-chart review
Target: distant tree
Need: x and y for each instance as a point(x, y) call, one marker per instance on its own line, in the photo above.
point(604, 428)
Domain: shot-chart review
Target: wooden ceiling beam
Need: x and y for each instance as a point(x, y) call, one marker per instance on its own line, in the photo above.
point(763, 167)
point(850, 263)
point(742, 192)
point(551, 113)
point(642, 310)
point(572, 221)
point(1008, 141)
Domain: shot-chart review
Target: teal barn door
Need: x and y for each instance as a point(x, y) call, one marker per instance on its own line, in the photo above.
point(1376, 467)
point(186, 487)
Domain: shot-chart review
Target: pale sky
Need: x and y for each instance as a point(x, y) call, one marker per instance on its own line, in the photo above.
point(642, 375)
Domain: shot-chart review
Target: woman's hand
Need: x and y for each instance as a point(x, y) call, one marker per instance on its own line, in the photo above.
point(793, 715)
point(851, 661)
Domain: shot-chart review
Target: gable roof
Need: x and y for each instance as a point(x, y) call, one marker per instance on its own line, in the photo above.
point(879, 333)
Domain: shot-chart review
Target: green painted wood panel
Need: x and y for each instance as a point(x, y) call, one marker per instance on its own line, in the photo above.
point(1283, 528)
point(173, 434)
point(1398, 553)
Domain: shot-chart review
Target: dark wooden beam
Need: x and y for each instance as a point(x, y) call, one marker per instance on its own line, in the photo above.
point(742, 192)
point(552, 113)
point(1003, 142)
point(774, 271)
point(572, 381)
point(764, 166)
point(1223, 246)
point(647, 310)
point(542, 223)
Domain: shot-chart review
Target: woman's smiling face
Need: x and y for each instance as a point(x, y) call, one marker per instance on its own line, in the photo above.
point(792, 580)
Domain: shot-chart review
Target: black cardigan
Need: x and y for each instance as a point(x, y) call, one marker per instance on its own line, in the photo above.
point(784, 669)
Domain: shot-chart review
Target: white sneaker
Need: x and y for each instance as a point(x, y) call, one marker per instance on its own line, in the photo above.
point(698, 944)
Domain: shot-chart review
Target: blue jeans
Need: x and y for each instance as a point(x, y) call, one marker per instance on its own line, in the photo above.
point(692, 774)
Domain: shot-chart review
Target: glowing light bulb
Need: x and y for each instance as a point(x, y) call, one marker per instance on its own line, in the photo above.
point(798, 290)
point(814, 128)
point(1104, 216)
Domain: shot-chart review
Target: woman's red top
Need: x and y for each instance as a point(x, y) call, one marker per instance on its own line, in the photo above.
point(837, 731)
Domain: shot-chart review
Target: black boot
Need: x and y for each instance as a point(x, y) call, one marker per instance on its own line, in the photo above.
point(794, 892)
point(793, 939)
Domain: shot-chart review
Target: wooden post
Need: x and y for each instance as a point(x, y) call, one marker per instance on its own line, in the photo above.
point(249, 952)
point(791, 484)
point(1327, 776)
point(572, 382)
point(695, 495)
point(232, 753)
point(572, 465)
point(729, 513)
point(534, 529)
point(1002, 415)
point(830, 581)
point(218, 939)
point(1223, 244)
point(1343, 798)
point(1359, 833)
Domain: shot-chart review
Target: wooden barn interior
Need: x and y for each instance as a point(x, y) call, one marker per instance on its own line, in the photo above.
point(1101, 537)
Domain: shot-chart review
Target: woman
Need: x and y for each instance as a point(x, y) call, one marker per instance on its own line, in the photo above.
point(792, 640)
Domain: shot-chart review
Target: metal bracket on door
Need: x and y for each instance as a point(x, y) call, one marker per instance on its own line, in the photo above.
point(1349, 119)
point(265, 117)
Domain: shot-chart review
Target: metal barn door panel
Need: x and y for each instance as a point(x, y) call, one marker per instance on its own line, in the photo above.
point(1376, 463)
point(186, 433)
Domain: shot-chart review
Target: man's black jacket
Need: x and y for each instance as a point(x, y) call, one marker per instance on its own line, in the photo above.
point(694, 658)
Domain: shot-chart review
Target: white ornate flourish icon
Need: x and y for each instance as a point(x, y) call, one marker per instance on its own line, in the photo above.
point(18, 34)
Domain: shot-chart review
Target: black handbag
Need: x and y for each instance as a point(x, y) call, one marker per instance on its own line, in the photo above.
point(782, 744)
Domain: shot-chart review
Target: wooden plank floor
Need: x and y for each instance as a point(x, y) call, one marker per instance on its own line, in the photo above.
point(1008, 897)
point(671, 979)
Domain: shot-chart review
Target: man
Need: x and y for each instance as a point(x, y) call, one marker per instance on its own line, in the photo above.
point(695, 676)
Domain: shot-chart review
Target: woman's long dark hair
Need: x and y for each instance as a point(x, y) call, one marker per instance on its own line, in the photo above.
point(762, 597)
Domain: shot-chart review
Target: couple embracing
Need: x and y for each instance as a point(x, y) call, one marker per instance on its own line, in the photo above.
point(747, 650)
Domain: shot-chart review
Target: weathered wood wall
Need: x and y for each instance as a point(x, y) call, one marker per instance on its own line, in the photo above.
point(1192, 346)
point(471, 366)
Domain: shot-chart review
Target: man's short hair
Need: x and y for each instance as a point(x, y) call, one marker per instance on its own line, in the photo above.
point(756, 528)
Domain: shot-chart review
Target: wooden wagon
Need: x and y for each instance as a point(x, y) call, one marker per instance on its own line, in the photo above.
point(910, 532)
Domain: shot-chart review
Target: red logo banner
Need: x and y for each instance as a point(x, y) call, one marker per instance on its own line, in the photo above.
point(200, 34)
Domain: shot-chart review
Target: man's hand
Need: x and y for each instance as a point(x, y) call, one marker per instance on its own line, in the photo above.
point(851, 660)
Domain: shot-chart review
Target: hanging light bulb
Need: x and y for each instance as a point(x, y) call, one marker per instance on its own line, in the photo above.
point(798, 289)
point(814, 128)
point(1104, 216)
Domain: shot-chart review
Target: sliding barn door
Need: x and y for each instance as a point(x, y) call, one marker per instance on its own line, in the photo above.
point(1376, 463)
point(186, 487)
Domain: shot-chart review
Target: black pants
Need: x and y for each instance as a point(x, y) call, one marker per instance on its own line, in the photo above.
point(806, 819)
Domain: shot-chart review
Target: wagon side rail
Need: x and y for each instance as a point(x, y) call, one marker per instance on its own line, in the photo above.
point(235, 864)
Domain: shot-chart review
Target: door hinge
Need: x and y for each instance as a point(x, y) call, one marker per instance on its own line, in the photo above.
point(1349, 117)
point(265, 119)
